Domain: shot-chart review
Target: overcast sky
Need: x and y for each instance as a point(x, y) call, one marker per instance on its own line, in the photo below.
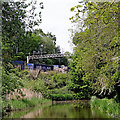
point(55, 19)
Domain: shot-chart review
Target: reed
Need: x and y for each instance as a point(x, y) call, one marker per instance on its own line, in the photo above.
point(20, 104)
point(110, 106)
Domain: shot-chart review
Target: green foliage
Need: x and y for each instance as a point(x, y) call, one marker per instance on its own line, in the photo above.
point(14, 26)
point(82, 104)
point(80, 81)
point(96, 55)
point(73, 8)
point(13, 80)
point(108, 106)
point(59, 79)
point(10, 82)
point(18, 37)
point(52, 83)
point(63, 90)
point(61, 97)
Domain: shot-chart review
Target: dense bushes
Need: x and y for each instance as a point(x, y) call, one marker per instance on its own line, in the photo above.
point(60, 97)
point(96, 56)
point(10, 82)
point(50, 83)
point(80, 85)
point(106, 105)
point(54, 79)
point(62, 90)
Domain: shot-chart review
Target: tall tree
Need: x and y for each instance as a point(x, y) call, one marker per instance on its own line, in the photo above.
point(15, 26)
point(97, 45)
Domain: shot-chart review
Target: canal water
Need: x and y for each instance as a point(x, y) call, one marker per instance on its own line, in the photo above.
point(58, 111)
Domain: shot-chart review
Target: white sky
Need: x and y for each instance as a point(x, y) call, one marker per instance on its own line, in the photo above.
point(55, 19)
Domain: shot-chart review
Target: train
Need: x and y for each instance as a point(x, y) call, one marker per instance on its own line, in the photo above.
point(19, 64)
point(38, 66)
point(31, 66)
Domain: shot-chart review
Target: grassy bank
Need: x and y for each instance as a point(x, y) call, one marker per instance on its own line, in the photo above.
point(106, 105)
point(46, 84)
point(21, 104)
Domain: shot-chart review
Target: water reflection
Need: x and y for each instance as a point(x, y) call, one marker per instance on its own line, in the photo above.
point(59, 111)
point(64, 111)
point(33, 114)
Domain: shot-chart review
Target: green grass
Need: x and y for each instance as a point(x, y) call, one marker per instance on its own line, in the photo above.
point(106, 105)
point(23, 103)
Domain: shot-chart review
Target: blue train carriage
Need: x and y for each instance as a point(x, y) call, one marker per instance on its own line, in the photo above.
point(48, 67)
point(68, 69)
point(43, 67)
point(38, 66)
point(30, 66)
point(55, 67)
point(19, 64)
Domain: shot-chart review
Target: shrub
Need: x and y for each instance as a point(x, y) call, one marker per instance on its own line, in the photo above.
point(106, 105)
point(61, 97)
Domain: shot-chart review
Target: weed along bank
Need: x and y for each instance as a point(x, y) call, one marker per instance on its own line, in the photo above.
point(42, 77)
point(50, 96)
